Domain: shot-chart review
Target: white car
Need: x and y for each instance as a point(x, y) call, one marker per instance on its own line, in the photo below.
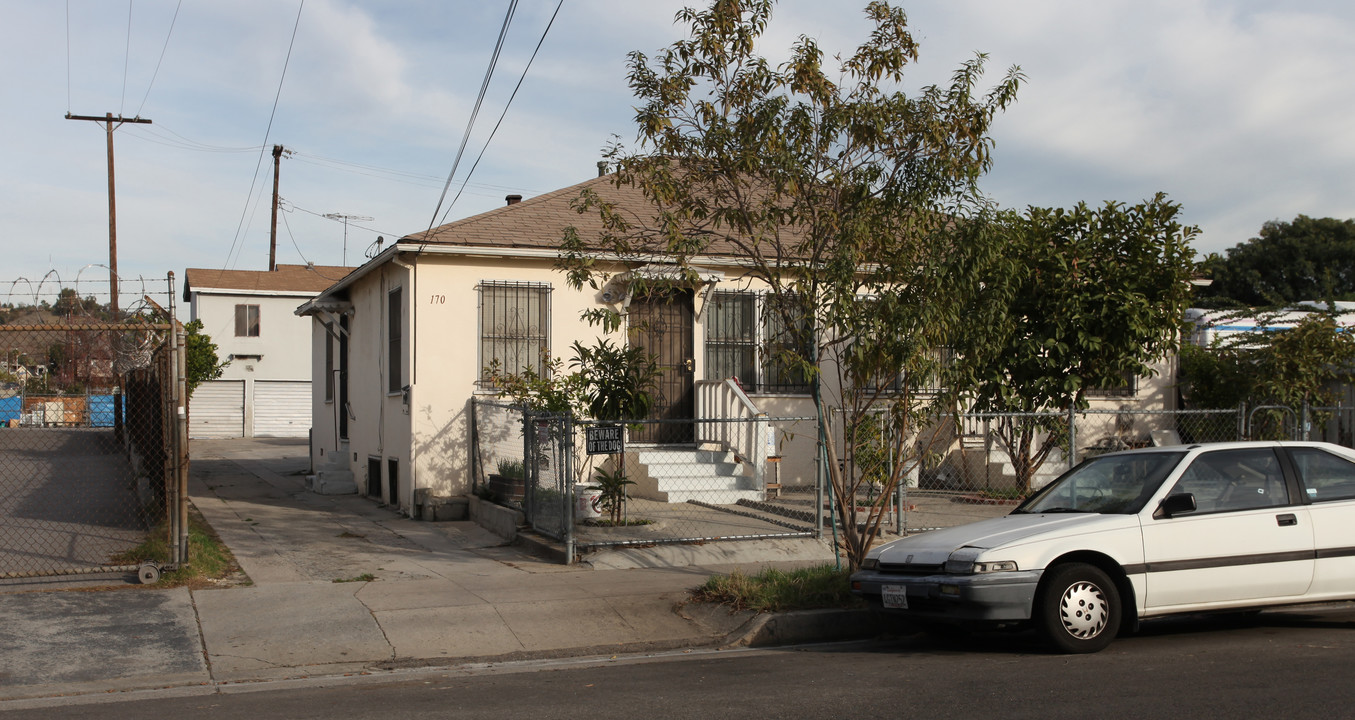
point(1137, 534)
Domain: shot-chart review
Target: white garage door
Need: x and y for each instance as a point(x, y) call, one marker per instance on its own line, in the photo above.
point(282, 408)
point(217, 410)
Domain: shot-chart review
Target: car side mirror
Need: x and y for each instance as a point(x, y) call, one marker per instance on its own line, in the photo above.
point(1178, 504)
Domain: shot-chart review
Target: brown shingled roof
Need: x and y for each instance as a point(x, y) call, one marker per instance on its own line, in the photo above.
point(539, 222)
point(310, 279)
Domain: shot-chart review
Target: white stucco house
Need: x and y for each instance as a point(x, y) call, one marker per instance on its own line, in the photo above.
point(265, 389)
point(401, 343)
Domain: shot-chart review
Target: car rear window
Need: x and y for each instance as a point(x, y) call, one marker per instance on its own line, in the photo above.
point(1325, 476)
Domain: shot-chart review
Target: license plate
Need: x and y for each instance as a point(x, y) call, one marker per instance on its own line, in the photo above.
point(895, 596)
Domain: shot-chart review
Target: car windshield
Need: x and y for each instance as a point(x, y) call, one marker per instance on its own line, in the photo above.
point(1106, 484)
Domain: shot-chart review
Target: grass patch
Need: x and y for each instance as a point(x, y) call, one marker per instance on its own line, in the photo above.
point(365, 577)
point(209, 560)
point(821, 586)
point(1002, 493)
point(631, 522)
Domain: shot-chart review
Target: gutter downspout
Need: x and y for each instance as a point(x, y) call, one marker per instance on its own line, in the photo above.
point(413, 305)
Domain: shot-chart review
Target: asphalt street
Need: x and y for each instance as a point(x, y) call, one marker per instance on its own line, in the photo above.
point(1281, 664)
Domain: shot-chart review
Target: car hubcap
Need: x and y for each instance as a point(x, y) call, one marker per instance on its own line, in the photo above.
point(1083, 610)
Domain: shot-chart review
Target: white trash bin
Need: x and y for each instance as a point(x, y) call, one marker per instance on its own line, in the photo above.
point(586, 503)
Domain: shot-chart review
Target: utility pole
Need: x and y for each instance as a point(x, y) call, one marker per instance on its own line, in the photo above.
point(113, 308)
point(273, 229)
point(112, 204)
point(345, 219)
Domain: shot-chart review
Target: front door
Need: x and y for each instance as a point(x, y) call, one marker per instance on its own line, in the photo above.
point(662, 325)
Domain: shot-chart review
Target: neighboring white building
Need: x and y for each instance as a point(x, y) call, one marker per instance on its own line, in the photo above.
point(250, 314)
point(1212, 325)
point(401, 343)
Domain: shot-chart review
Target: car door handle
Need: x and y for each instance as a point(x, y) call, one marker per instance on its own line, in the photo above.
point(1286, 520)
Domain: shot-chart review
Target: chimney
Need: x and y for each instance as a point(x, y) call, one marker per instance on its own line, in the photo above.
point(513, 199)
point(602, 168)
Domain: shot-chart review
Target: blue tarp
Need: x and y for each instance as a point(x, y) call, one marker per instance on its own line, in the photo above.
point(10, 407)
point(101, 411)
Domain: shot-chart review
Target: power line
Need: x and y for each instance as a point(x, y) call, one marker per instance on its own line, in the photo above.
point(254, 180)
point(126, 57)
point(184, 143)
point(68, 56)
point(505, 109)
point(484, 88)
point(162, 58)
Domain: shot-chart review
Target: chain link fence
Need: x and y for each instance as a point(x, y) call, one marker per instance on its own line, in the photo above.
point(587, 485)
point(93, 457)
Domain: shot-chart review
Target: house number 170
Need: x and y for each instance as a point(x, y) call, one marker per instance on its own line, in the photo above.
point(437, 300)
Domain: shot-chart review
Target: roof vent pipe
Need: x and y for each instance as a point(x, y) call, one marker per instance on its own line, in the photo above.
point(513, 199)
point(602, 168)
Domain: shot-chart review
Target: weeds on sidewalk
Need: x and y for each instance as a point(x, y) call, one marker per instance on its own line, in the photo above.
point(365, 577)
point(209, 560)
point(822, 586)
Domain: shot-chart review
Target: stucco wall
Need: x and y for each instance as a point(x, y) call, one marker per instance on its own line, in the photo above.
point(283, 340)
point(428, 432)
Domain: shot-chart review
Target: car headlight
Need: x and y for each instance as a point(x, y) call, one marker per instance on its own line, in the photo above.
point(964, 562)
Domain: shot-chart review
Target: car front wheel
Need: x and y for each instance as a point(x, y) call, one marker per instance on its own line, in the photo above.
point(1077, 608)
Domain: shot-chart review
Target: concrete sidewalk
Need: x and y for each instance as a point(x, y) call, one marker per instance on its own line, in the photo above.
point(339, 585)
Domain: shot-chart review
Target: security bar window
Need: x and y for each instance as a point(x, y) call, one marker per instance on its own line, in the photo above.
point(746, 339)
point(514, 327)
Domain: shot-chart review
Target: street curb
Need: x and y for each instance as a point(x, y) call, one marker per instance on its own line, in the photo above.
point(804, 626)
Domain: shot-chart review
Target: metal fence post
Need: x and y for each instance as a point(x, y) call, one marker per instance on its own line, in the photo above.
point(1072, 436)
point(567, 446)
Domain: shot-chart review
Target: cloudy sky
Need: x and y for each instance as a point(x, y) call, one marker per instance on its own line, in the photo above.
point(1241, 111)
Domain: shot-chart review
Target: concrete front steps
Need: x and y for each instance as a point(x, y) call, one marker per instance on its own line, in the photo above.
point(677, 475)
point(334, 478)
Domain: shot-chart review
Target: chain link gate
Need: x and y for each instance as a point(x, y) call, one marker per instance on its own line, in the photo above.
point(93, 444)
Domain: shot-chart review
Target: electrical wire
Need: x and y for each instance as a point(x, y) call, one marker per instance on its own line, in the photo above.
point(253, 181)
point(138, 131)
point(505, 109)
point(479, 100)
point(313, 268)
point(324, 216)
point(126, 58)
point(68, 57)
point(161, 60)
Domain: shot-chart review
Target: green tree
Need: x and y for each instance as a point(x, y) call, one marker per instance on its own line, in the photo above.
point(1092, 297)
point(201, 362)
point(853, 202)
point(1289, 262)
point(1305, 363)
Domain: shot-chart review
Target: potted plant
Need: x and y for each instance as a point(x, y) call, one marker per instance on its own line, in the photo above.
point(508, 482)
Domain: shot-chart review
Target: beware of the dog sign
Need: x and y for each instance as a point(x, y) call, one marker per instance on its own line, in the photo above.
point(603, 440)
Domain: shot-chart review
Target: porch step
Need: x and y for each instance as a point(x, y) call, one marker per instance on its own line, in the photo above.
point(680, 475)
point(332, 482)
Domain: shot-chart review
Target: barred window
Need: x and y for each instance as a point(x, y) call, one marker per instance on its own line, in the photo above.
point(731, 337)
point(747, 341)
point(789, 345)
point(247, 321)
point(929, 378)
point(514, 326)
point(1127, 387)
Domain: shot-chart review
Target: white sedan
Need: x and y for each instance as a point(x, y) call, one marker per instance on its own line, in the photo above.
point(1137, 534)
